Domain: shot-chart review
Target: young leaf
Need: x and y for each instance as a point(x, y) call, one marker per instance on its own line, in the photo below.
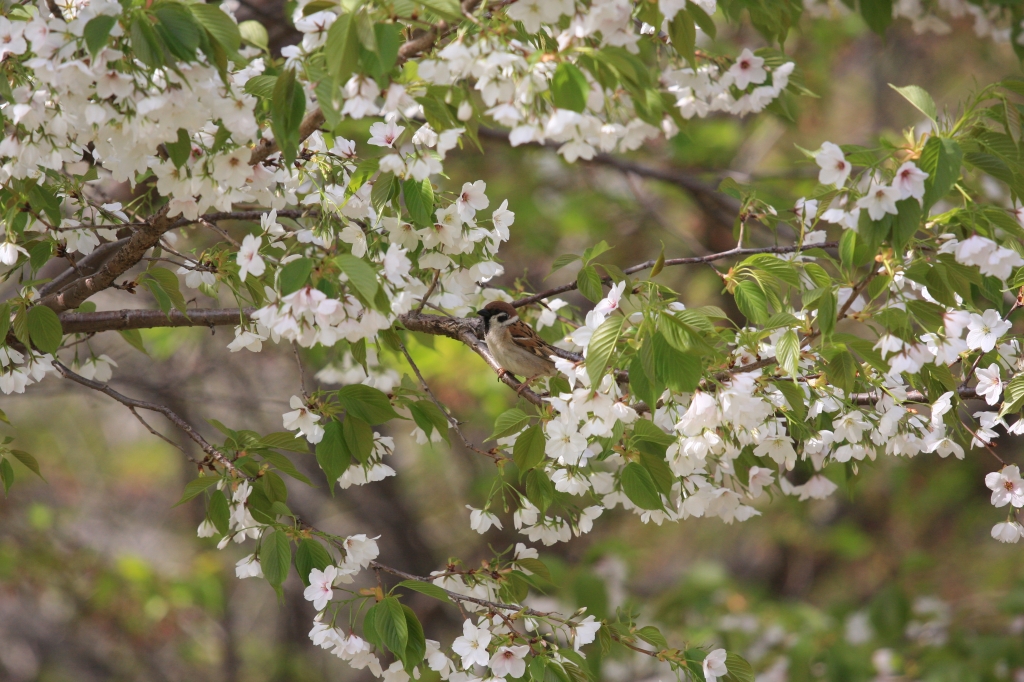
point(601, 347)
point(6, 475)
point(342, 48)
point(196, 486)
point(509, 422)
point(569, 87)
point(218, 512)
point(788, 352)
point(389, 621)
point(751, 301)
point(310, 554)
point(332, 454)
point(589, 283)
point(287, 107)
point(254, 33)
point(96, 31)
point(528, 450)
point(920, 98)
point(294, 275)
point(429, 589)
point(29, 461)
point(639, 487)
point(360, 275)
point(416, 646)
point(222, 27)
point(358, 436)
point(44, 328)
point(275, 557)
point(367, 403)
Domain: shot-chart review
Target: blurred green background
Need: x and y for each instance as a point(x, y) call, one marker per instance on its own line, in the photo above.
point(101, 578)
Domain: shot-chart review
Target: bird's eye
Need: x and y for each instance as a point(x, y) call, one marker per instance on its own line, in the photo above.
point(501, 317)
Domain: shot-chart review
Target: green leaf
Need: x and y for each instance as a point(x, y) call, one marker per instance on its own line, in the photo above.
point(180, 150)
point(218, 512)
point(562, 261)
point(416, 647)
point(658, 468)
point(877, 14)
point(419, 201)
point(358, 436)
point(294, 275)
point(389, 621)
point(44, 328)
point(254, 33)
point(589, 283)
point(701, 18)
point(383, 188)
point(5, 321)
point(96, 32)
point(29, 461)
point(360, 275)
point(847, 247)
point(449, 9)
point(539, 489)
point(261, 86)
point(332, 454)
point(275, 557)
point(751, 301)
point(284, 465)
point(509, 422)
point(145, 41)
point(196, 486)
point(223, 29)
point(310, 554)
point(601, 347)
point(284, 440)
point(907, 222)
point(827, 312)
point(528, 450)
point(287, 107)
point(652, 636)
point(6, 475)
point(1013, 395)
point(794, 396)
point(168, 283)
point(535, 566)
point(684, 36)
point(920, 98)
point(788, 353)
point(639, 487)
point(367, 403)
point(429, 417)
point(941, 159)
point(20, 324)
point(429, 589)
point(342, 48)
point(645, 430)
point(569, 88)
point(738, 669)
point(678, 370)
point(841, 370)
point(178, 28)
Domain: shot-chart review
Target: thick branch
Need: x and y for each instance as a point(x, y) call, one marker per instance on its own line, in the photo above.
point(76, 293)
point(83, 323)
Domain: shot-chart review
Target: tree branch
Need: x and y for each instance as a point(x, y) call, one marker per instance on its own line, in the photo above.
point(83, 323)
point(133, 404)
point(692, 260)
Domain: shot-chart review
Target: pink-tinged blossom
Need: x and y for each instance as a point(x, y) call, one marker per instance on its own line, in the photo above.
point(509, 661)
point(990, 384)
point(1006, 486)
point(879, 201)
point(302, 419)
point(748, 69)
point(835, 169)
point(909, 181)
point(472, 199)
point(321, 587)
point(248, 259)
point(384, 134)
point(985, 330)
point(714, 665)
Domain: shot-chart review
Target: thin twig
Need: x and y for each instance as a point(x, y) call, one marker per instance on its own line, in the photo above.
point(302, 373)
point(693, 260)
point(496, 455)
point(430, 291)
point(171, 415)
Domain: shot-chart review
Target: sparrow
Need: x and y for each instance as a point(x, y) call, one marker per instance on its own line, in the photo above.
point(514, 344)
